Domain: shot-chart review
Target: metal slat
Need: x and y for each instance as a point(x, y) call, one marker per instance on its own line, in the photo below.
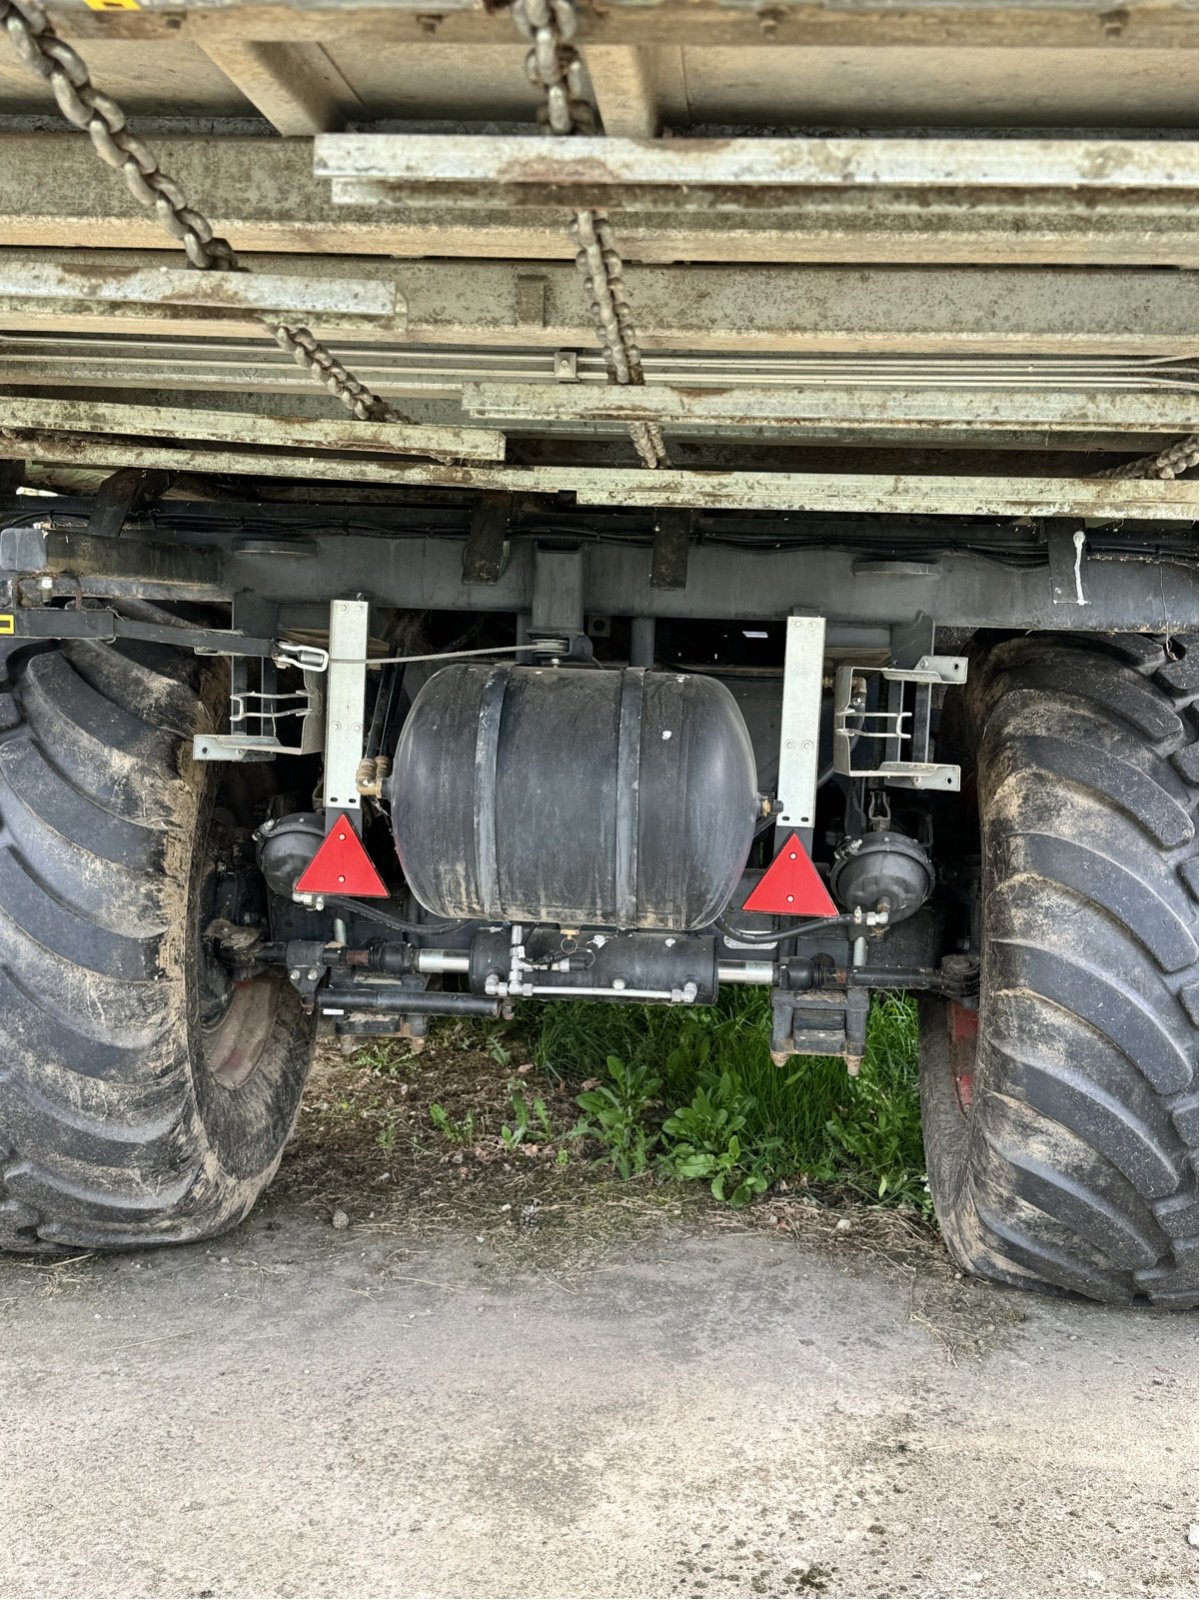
point(880, 493)
point(1010, 406)
point(247, 428)
point(734, 174)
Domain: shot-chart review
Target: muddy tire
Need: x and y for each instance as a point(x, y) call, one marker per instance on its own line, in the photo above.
point(1060, 1123)
point(143, 1099)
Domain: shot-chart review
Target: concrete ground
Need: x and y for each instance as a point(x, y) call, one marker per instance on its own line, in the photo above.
point(303, 1411)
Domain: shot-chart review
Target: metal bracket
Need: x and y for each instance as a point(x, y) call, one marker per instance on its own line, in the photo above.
point(124, 494)
point(900, 727)
point(830, 1022)
point(257, 707)
point(800, 725)
point(559, 583)
point(486, 549)
point(348, 633)
point(669, 559)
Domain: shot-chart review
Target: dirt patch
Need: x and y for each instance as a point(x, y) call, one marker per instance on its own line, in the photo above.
point(468, 1138)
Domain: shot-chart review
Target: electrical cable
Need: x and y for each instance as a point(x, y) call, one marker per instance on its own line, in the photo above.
point(537, 646)
point(756, 936)
point(360, 908)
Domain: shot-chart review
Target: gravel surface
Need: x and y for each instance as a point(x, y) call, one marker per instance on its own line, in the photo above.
point(303, 1409)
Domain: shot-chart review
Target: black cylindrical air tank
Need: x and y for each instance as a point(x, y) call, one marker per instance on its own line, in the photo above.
point(588, 797)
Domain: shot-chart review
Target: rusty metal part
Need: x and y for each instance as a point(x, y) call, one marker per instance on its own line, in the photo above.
point(555, 66)
point(37, 43)
point(371, 775)
point(409, 24)
point(1167, 464)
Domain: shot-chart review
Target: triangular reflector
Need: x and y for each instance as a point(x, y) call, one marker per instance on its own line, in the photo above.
point(791, 887)
point(341, 866)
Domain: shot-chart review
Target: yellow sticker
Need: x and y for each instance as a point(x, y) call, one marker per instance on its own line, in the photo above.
point(112, 5)
point(8, 623)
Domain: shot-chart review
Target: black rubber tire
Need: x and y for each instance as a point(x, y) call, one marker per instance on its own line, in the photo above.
point(129, 1115)
point(1074, 1167)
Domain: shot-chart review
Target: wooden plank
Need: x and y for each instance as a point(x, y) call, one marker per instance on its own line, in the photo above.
point(296, 86)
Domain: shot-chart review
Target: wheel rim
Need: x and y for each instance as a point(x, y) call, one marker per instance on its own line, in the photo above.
point(235, 1044)
point(962, 1037)
point(237, 1016)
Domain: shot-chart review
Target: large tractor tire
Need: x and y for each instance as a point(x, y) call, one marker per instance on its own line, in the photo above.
point(144, 1097)
point(1060, 1121)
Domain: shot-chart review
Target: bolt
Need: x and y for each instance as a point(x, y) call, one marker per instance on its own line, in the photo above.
point(313, 974)
point(807, 745)
point(294, 974)
point(618, 983)
point(45, 583)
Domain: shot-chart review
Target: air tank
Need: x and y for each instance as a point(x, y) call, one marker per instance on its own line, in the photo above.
point(588, 797)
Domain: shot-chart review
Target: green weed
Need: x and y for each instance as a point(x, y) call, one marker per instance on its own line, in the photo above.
point(457, 1132)
point(619, 1109)
point(709, 1138)
point(697, 1093)
point(531, 1124)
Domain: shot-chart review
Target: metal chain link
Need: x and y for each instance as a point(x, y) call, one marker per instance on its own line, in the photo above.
point(324, 368)
point(554, 65)
point(34, 38)
point(1168, 463)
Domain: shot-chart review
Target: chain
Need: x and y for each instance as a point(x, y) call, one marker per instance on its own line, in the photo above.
point(554, 65)
point(81, 103)
point(324, 368)
point(1168, 463)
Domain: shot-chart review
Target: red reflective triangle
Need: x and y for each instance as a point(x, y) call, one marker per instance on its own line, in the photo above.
point(791, 887)
point(341, 866)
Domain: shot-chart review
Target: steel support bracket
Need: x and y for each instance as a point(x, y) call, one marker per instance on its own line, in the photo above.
point(487, 543)
point(345, 708)
point(559, 586)
point(122, 495)
point(828, 1022)
point(800, 728)
point(897, 724)
point(669, 558)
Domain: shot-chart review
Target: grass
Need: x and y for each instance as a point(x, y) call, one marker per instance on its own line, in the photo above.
point(695, 1095)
